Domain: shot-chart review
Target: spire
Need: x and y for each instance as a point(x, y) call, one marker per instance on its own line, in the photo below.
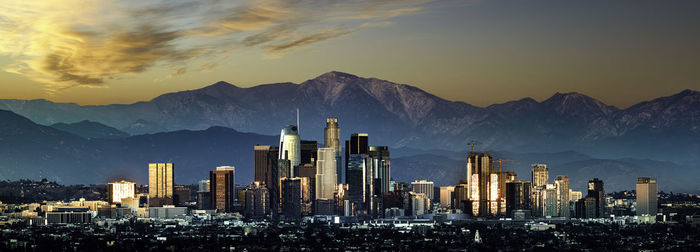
point(298, 129)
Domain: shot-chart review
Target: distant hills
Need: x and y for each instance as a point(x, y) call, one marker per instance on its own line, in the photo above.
point(403, 117)
point(89, 129)
point(32, 151)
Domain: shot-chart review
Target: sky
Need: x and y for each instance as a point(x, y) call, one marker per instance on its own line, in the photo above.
point(481, 52)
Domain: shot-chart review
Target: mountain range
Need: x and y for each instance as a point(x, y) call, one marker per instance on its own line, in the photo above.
point(403, 117)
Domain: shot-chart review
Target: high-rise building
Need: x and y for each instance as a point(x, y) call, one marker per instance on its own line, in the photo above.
point(423, 186)
point(308, 152)
point(326, 177)
point(647, 201)
point(181, 195)
point(575, 195)
point(446, 196)
point(596, 190)
point(296, 198)
point(267, 172)
point(290, 146)
point(331, 139)
point(547, 201)
point(540, 175)
point(381, 167)
point(358, 144)
point(586, 207)
point(160, 184)
point(562, 186)
point(265, 162)
point(419, 203)
point(223, 188)
point(360, 183)
point(204, 185)
point(460, 198)
point(517, 196)
point(479, 169)
point(116, 191)
point(257, 201)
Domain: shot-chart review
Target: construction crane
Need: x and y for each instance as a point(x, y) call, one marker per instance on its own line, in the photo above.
point(472, 144)
point(500, 163)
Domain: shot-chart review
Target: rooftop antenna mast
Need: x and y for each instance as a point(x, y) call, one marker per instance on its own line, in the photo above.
point(298, 129)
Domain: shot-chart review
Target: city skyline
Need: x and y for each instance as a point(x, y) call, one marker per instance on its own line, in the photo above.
point(443, 47)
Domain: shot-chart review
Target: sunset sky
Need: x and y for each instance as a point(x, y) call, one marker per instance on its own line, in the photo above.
point(480, 52)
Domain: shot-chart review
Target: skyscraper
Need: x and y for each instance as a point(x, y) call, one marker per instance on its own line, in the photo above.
point(160, 184)
point(597, 191)
point(381, 167)
point(290, 146)
point(331, 139)
point(296, 198)
point(223, 188)
point(356, 173)
point(267, 172)
point(116, 191)
point(265, 162)
point(562, 186)
point(517, 196)
point(358, 144)
point(308, 152)
point(647, 201)
point(257, 201)
point(326, 173)
point(446, 193)
point(479, 168)
point(425, 187)
point(540, 175)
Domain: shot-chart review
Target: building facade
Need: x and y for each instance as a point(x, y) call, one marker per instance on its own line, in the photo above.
point(647, 199)
point(223, 188)
point(160, 184)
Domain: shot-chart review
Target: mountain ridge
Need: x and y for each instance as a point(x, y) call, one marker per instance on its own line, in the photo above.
point(401, 115)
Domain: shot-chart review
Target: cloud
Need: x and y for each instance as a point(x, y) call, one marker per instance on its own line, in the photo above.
point(178, 72)
point(54, 42)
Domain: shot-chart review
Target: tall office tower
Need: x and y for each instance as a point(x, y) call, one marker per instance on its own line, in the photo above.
point(356, 177)
point(597, 191)
point(290, 146)
point(296, 198)
point(308, 152)
point(223, 188)
point(257, 201)
point(517, 196)
point(326, 177)
point(331, 139)
point(358, 144)
point(266, 157)
point(562, 186)
point(460, 198)
point(479, 169)
point(446, 196)
point(381, 166)
point(547, 201)
point(305, 170)
point(423, 186)
point(497, 191)
point(160, 184)
point(204, 185)
point(116, 191)
point(647, 201)
point(419, 203)
point(267, 172)
point(575, 195)
point(540, 175)
point(586, 208)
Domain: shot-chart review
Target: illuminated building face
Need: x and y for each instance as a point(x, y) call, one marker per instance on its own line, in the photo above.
point(121, 190)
